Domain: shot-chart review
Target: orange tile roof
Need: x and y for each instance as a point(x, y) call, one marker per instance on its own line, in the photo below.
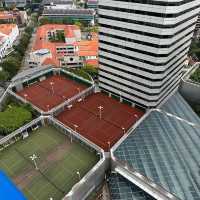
point(88, 47)
point(93, 62)
point(7, 28)
point(49, 61)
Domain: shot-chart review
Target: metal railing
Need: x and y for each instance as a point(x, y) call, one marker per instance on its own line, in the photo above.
point(24, 101)
point(75, 134)
point(89, 182)
point(80, 95)
point(20, 130)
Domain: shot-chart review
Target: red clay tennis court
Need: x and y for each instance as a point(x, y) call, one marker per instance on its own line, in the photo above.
point(51, 91)
point(116, 118)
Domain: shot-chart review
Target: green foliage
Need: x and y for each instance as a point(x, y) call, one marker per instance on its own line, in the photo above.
point(29, 29)
point(93, 71)
point(11, 65)
point(58, 37)
point(12, 118)
point(81, 73)
point(86, 72)
point(4, 75)
point(196, 76)
point(91, 29)
point(195, 48)
point(64, 20)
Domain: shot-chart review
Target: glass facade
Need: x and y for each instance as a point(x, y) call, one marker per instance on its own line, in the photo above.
point(166, 149)
point(122, 189)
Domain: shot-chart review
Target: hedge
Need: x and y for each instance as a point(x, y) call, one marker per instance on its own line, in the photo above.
point(12, 118)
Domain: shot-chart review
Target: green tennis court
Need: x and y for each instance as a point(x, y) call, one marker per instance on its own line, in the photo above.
point(58, 161)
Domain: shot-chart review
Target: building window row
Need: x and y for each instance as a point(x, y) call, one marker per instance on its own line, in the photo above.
point(142, 69)
point(142, 42)
point(173, 86)
point(160, 3)
point(145, 33)
point(139, 59)
point(165, 26)
point(149, 13)
point(156, 55)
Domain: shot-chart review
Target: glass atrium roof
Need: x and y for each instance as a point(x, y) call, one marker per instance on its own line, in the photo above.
point(122, 189)
point(167, 149)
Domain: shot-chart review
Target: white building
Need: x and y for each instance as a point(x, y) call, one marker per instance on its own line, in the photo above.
point(8, 34)
point(58, 4)
point(143, 47)
point(197, 28)
point(17, 3)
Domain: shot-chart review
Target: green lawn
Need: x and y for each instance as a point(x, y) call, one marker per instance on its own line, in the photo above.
point(58, 162)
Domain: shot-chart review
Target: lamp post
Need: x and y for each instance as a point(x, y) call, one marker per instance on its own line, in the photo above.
point(124, 130)
point(33, 158)
point(25, 96)
point(100, 111)
point(71, 136)
point(79, 175)
point(52, 83)
point(120, 97)
point(75, 127)
point(98, 153)
point(109, 145)
point(48, 108)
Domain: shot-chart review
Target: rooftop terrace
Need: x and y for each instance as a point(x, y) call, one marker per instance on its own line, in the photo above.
point(104, 127)
point(51, 92)
point(165, 148)
point(58, 161)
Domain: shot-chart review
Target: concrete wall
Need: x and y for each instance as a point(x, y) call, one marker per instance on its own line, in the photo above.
point(190, 91)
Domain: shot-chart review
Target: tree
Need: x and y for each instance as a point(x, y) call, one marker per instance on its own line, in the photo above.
point(43, 20)
point(11, 65)
point(4, 75)
point(78, 23)
point(29, 30)
point(93, 71)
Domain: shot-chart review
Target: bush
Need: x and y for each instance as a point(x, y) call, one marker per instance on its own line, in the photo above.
point(81, 73)
point(91, 70)
point(196, 76)
point(4, 75)
point(11, 65)
point(12, 118)
point(195, 49)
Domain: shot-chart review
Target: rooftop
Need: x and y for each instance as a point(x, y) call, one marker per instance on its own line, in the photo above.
point(84, 48)
point(103, 129)
point(121, 188)
point(88, 47)
point(7, 28)
point(46, 96)
point(165, 148)
point(42, 41)
point(58, 160)
point(61, 2)
point(90, 12)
